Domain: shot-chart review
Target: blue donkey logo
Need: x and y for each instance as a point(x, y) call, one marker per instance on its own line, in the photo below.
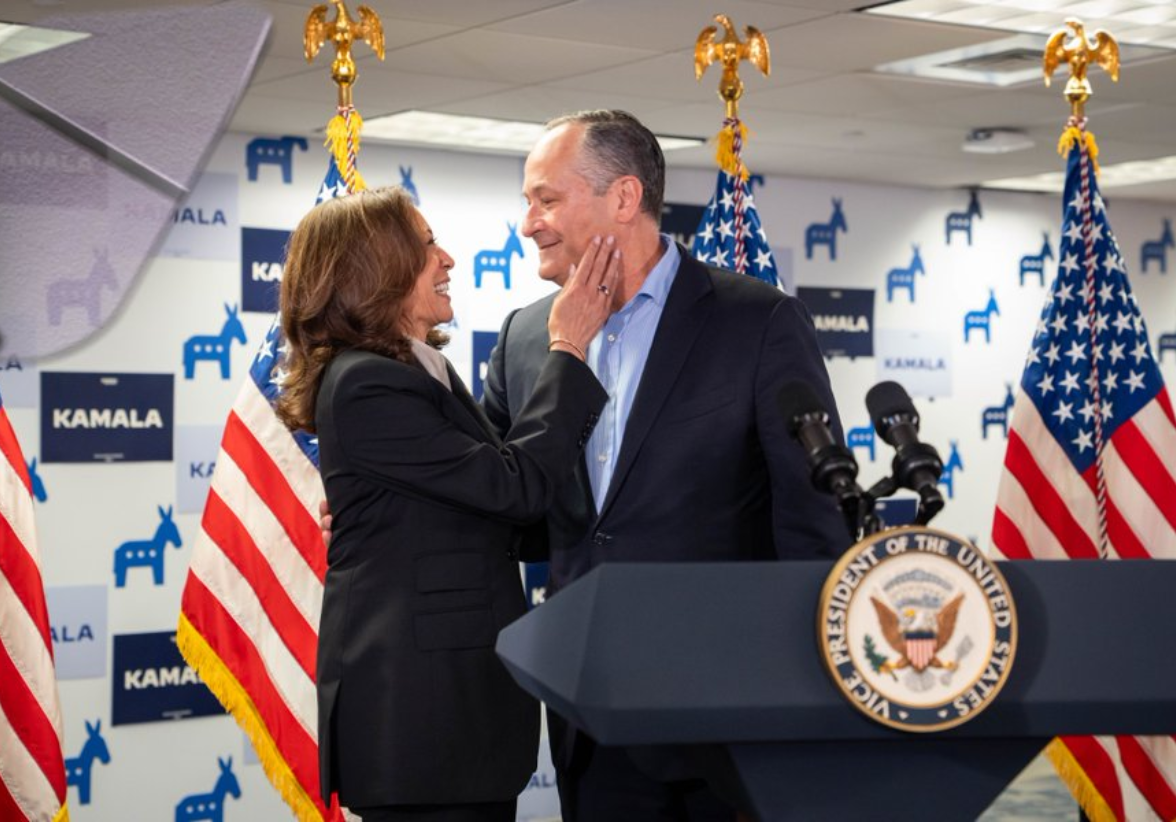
point(898, 278)
point(862, 437)
point(211, 806)
point(962, 220)
point(77, 769)
point(408, 185)
point(1157, 249)
point(216, 347)
point(825, 233)
point(998, 414)
point(278, 151)
point(953, 464)
point(1035, 263)
point(498, 261)
point(147, 552)
point(982, 320)
point(39, 492)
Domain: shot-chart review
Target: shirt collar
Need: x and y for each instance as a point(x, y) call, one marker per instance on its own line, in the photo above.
point(657, 283)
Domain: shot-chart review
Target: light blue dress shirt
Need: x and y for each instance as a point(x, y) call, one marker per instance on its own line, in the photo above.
point(617, 356)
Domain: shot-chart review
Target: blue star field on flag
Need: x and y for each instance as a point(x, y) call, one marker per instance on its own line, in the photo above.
point(715, 240)
point(333, 184)
point(1090, 366)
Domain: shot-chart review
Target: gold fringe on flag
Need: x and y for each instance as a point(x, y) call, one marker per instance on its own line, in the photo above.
point(1071, 136)
point(1074, 778)
point(727, 153)
point(225, 687)
point(343, 135)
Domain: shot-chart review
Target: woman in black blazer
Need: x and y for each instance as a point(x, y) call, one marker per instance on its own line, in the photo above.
point(418, 719)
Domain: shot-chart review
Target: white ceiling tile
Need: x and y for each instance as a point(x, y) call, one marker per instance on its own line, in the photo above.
point(662, 25)
point(856, 94)
point(538, 104)
point(671, 77)
point(509, 58)
point(858, 42)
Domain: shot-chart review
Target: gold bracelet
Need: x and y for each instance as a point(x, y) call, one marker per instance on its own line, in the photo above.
point(574, 347)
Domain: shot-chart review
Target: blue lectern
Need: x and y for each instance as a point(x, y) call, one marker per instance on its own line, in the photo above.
point(721, 661)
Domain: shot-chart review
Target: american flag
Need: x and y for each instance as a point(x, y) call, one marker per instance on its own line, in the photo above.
point(1088, 471)
point(730, 234)
point(250, 610)
point(32, 771)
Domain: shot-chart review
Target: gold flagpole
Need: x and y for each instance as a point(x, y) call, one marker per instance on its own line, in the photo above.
point(730, 51)
point(343, 129)
point(1079, 52)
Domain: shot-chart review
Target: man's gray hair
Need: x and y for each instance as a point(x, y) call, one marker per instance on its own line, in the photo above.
point(616, 144)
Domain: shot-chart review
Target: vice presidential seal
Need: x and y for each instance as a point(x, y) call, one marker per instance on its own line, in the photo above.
point(917, 628)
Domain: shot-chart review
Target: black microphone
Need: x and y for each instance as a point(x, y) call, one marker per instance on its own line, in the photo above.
point(916, 465)
point(833, 468)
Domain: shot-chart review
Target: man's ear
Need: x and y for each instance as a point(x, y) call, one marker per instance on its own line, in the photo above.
point(628, 191)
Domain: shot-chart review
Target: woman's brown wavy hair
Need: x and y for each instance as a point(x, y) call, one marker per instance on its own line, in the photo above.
point(350, 264)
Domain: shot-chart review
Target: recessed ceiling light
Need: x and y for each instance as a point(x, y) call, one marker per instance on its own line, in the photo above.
point(1119, 175)
point(1004, 62)
point(18, 41)
point(482, 134)
point(1139, 22)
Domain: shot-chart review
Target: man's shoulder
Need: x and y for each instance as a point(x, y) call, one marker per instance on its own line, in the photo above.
point(737, 292)
point(527, 326)
point(537, 311)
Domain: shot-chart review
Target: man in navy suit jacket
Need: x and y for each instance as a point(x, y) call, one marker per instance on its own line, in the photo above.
point(691, 459)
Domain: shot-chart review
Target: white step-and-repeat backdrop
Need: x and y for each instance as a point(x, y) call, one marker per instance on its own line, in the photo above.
point(940, 290)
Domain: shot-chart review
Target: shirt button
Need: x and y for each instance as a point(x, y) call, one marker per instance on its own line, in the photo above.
point(612, 337)
point(602, 458)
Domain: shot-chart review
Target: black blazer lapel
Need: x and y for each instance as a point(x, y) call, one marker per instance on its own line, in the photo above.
point(682, 319)
point(473, 412)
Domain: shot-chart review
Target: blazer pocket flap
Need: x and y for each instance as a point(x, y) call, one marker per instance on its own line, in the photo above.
point(454, 630)
point(450, 572)
point(699, 406)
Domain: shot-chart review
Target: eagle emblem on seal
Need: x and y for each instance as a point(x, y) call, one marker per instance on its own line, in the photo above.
point(917, 634)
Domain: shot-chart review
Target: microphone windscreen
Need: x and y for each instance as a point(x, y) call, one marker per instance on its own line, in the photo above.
point(796, 399)
point(886, 399)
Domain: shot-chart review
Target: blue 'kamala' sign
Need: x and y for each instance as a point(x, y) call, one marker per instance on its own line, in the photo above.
point(263, 253)
point(152, 682)
point(88, 417)
point(844, 319)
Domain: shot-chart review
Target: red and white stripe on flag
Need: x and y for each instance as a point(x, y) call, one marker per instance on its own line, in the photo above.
point(250, 609)
point(1090, 470)
point(32, 772)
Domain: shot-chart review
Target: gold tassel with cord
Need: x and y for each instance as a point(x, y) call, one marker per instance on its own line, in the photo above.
point(1074, 778)
point(725, 155)
point(225, 687)
point(338, 132)
point(1071, 136)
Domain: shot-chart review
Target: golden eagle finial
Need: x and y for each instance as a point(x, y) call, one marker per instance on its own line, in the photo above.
point(343, 32)
point(730, 51)
point(1079, 52)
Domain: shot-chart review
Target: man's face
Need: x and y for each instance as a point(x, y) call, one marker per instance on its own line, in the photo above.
point(563, 212)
